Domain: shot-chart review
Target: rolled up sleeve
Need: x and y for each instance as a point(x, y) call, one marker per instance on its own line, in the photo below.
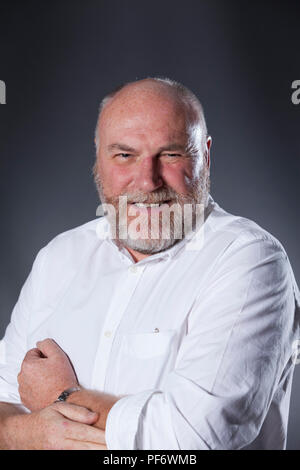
point(237, 346)
point(126, 410)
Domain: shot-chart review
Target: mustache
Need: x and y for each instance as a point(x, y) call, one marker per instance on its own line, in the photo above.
point(162, 195)
point(151, 198)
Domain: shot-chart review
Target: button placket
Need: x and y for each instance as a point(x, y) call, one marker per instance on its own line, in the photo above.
point(133, 269)
point(112, 321)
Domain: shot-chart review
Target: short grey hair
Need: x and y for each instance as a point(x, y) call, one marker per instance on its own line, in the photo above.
point(184, 93)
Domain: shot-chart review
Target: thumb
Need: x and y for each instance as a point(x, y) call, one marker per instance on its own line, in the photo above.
point(49, 347)
point(76, 412)
point(34, 353)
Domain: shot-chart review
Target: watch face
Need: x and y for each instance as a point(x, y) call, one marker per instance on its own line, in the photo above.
point(64, 395)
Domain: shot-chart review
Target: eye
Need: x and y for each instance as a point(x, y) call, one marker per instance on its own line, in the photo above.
point(171, 155)
point(123, 155)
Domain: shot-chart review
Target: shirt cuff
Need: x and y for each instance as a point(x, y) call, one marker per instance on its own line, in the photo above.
point(12, 400)
point(123, 420)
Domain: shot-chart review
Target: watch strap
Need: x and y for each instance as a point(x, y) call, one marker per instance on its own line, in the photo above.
point(66, 393)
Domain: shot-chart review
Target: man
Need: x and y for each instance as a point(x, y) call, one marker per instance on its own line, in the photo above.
point(158, 342)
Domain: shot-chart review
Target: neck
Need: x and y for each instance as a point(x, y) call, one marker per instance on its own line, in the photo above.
point(137, 256)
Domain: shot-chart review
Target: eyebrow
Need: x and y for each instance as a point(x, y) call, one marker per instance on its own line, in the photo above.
point(121, 147)
point(127, 148)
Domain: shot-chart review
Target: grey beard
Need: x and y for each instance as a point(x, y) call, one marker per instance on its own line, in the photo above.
point(148, 245)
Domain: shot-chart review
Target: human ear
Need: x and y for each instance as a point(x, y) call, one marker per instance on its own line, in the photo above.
point(207, 150)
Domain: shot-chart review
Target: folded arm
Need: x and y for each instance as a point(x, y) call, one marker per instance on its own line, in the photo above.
point(46, 372)
point(237, 350)
point(218, 394)
point(57, 426)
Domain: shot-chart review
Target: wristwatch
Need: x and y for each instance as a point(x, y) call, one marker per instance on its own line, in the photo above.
point(66, 393)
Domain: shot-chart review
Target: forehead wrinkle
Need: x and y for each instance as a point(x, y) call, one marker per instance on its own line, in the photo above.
point(141, 125)
point(129, 131)
point(169, 146)
point(142, 120)
point(144, 105)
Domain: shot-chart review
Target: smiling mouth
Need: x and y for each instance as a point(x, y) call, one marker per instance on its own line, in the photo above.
point(149, 205)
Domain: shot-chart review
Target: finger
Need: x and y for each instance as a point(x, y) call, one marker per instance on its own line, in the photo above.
point(76, 413)
point(84, 432)
point(32, 354)
point(49, 347)
point(73, 444)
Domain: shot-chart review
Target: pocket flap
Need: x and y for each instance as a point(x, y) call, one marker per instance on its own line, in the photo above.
point(147, 345)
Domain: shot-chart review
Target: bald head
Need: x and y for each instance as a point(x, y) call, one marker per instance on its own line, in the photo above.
point(145, 96)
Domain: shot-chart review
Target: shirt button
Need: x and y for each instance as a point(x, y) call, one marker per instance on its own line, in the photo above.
point(107, 334)
point(133, 269)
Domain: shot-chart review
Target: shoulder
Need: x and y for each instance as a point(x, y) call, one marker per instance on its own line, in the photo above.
point(242, 248)
point(88, 229)
point(79, 240)
point(234, 233)
point(64, 254)
point(248, 257)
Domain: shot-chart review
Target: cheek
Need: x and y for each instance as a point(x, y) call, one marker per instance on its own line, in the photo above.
point(115, 179)
point(178, 177)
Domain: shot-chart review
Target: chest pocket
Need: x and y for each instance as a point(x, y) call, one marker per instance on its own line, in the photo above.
point(144, 359)
point(148, 345)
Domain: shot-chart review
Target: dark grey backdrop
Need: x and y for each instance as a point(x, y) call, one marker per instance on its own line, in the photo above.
point(58, 58)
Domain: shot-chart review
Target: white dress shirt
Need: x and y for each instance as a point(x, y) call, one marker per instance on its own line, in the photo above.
point(200, 343)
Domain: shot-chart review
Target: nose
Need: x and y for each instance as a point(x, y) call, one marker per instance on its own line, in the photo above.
point(147, 176)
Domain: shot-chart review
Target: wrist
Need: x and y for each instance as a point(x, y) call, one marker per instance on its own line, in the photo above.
point(77, 396)
point(15, 431)
point(99, 402)
point(67, 393)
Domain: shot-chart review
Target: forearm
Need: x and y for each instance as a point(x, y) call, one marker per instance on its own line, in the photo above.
point(95, 401)
point(11, 418)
